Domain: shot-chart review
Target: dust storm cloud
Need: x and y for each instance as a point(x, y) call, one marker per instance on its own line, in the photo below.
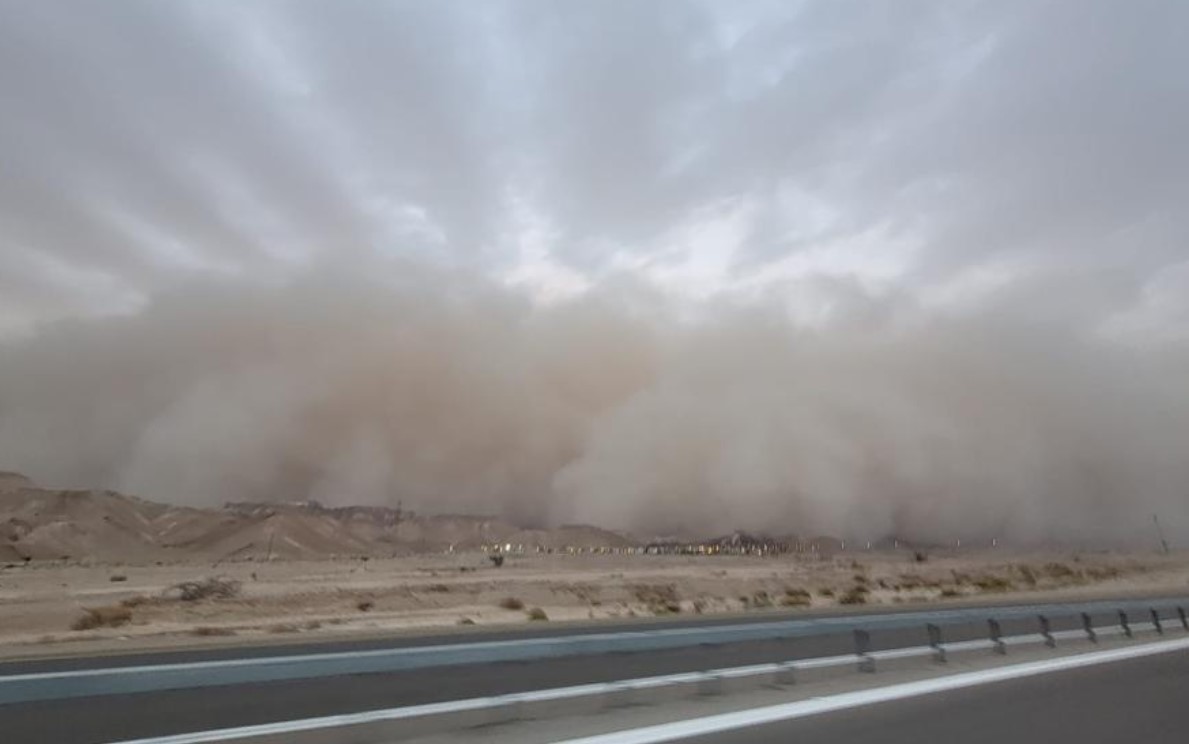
point(452, 394)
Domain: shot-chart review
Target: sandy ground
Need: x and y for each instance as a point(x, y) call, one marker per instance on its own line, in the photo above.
point(285, 600)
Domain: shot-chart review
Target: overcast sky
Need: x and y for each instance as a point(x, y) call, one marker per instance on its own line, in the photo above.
point(947, 148)
point(1006, 162)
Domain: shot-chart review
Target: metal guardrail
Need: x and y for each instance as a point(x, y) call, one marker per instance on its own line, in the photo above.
point(125, 680)
point(410, 722)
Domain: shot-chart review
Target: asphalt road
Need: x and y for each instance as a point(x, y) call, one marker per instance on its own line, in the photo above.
point(96, 720)
point(1142, 700)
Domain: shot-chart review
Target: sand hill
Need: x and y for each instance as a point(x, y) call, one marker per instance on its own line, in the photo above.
point(43, 524)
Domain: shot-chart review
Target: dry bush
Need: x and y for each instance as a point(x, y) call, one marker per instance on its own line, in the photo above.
point(135, 601)
point(537, 613)
point(437, 589)
point(761, 599)
point(111, 616)
point(1060, 571)
point(284, 628)
point(512, 603)
point(949, 591)
point(208, 631)
point(215, 587)
point(365, 605)
point(116, 578)
point(856, 595)
point(796, 598)
point(992, 583)
point(826, 591)
point(1027, 573)
point(465, 621)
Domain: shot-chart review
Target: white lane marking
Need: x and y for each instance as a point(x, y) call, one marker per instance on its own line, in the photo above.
point(815, 706)
point(559, 693)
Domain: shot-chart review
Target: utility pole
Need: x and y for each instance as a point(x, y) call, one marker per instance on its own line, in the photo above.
point(1160, 534)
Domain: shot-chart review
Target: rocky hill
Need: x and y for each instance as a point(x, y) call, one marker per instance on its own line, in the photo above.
point(43, 524)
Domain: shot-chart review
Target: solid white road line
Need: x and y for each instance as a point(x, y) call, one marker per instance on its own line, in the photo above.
point(788, 711)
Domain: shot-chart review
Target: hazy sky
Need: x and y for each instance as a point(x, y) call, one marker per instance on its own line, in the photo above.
point(849, 193)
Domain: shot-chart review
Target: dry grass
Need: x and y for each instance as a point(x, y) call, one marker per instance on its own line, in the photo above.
point(214, 587)
point(512, 603)
point(856, 595)
point(111, 616)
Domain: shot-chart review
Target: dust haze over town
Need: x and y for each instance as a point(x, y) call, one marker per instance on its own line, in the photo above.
point(914, 269)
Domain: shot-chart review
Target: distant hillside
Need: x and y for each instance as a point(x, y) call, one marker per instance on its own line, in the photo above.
point(43, 524)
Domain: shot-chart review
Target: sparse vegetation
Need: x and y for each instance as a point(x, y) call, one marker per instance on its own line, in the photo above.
point(795, 598)
point(283, 628)
point(856, 595)
point(215, 587)
point(209, 631)
point(512, 603)
point(110, 616)
point(1060, 571)
point(825, 591)
point(920, 556)
point(537, 614)
point(115, 578)
point(950, 591)
point(465, 621)
point(365, 605)
point(761, 599)
point(1027, 574)
point(992, 583)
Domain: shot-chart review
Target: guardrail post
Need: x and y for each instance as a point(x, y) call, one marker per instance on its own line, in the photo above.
point(1088, 625)
point(863, 650)
point(1047, 632)
point(1184, 620)
point(1124, 624)
point(997, 644)
point(1156, 621)
point(935, 642)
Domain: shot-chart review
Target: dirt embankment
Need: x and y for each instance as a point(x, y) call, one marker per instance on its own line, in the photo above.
point(48, 608)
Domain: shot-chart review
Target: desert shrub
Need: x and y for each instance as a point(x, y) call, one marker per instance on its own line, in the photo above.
point(465, 621)
point(537, 614)
point(949, 591)
point(860, 578)
point(800, 598)
point(826, 591)
point(1099, 573)
point(116, 578)
point(655, 594)
point(856, 595)
point(365, 605)
point(994, 584)
point(1060, 571)
point(206, 630)
point(512, 603)
point(135, 601)
point(920, 556)
point(761, 599)
point(215, 587)
point(283, 628)
point(111, 616)
point(437, 589)
point(1027, 574)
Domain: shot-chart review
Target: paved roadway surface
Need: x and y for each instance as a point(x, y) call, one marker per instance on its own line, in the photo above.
point(96, 720)
point(1141, 700)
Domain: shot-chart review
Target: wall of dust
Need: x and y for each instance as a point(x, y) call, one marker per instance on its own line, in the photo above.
point(455, 394)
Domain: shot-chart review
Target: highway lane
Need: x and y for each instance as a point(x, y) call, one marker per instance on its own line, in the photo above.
point(1141, 700)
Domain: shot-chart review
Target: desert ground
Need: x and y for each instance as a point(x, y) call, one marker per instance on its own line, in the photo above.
point(49, 608)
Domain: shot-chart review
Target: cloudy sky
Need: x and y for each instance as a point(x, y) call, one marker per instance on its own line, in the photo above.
point(911, 184)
